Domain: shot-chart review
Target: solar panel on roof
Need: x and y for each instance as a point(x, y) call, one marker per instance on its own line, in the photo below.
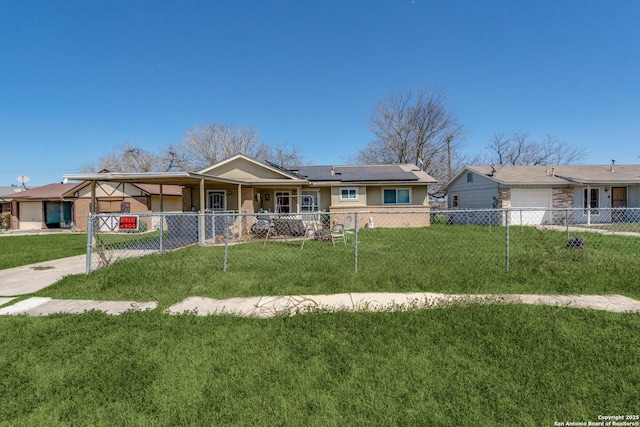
point(355, 173)
point(376, 173)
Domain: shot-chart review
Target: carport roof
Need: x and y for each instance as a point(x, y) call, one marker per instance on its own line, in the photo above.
point(186, 179)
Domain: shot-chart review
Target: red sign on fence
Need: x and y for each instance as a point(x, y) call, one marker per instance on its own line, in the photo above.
point(128, 222)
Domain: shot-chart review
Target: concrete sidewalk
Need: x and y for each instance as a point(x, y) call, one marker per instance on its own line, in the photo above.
point(28, 279)
point(276, 305)
point(265, 307)
point(40, 306)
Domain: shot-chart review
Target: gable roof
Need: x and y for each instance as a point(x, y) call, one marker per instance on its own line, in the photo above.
point(277, 170)
point(363, 173)
point(556, 174)
point(45, 192)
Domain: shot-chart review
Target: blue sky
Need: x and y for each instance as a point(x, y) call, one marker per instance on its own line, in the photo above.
point(79, 77)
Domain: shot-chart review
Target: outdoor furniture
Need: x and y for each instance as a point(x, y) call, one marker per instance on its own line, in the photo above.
point(337, 234)
point(347, 228)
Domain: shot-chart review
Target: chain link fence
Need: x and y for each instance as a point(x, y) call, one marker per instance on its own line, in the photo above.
point(352, 241)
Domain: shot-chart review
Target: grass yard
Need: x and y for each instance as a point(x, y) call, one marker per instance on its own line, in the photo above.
point(460, 365)
point(465, 366)
point(22, 250)
point(459, 259)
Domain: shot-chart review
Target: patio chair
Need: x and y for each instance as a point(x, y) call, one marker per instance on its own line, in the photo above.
point(347, 228)
point(337, 234)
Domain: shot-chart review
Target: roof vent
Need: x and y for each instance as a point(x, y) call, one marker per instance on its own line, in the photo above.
point(553, 171)
point(333, 170)
point(613, 162)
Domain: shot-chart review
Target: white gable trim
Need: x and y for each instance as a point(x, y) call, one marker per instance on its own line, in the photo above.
point(252, 160)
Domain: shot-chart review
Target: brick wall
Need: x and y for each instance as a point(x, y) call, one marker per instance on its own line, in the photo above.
point(380, 218)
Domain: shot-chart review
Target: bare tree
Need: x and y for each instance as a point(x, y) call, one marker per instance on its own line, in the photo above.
point(213, 142)
point(199, 148)
point(518, 149)
point(125, 157)
point(283, 155)
point(415, 127)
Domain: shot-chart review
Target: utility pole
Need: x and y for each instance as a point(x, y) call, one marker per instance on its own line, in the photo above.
point(448, 139)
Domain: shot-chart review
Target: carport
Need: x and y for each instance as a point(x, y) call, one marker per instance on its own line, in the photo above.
point(185, 179)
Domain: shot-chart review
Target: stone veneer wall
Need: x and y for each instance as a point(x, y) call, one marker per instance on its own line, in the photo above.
point(504, 198)
point(562, 198)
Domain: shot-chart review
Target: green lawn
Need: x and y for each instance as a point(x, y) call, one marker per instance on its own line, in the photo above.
point(460, 365)
point(468, 366)
point(435, 259)
point(22, 250)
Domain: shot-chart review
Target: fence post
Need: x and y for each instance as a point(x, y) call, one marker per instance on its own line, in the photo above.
point(213, 226)
point(226, 241)
point(161, 230)
point(89, 242)
point(355, 242)
point(566, 221)
point(507, 240)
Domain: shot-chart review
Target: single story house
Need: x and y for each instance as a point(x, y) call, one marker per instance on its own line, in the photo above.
point(6, 195)
point(587, 187)
point(243, 184)
point(64, 205)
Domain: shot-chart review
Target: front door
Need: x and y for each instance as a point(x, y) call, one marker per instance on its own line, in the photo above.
point(283, 202)
point(618, 203)
point(216, 200)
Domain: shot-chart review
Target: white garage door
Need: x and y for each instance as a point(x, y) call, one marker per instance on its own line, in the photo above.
point(30, 215)
point(530, 198)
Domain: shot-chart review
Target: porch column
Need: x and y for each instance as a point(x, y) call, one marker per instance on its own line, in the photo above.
point(161, 199)
point(240, 218)
point(588, 196)
point(298, 199)
point(92, 206)
point(201, 227)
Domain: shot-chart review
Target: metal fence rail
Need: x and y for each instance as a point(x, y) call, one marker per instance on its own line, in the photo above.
point(362, 238)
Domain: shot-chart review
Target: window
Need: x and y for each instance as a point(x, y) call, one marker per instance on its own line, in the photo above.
point(396, 196)
point(454, 201)
point(470, 177)
point(348, 194)
point(592, 199)
point(309, 201)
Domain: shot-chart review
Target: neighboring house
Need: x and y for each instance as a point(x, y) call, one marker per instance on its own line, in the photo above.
point(589, 187)
point(65, 205)
point(6, 195)
point(243, 184)
point(42, 207)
